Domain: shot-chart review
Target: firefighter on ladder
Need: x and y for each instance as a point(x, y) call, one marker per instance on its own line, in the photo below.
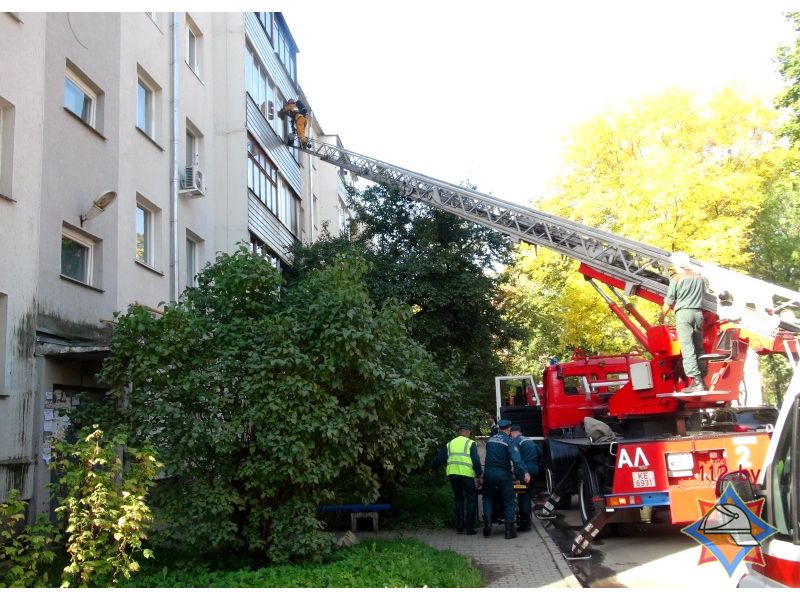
point(296, 111)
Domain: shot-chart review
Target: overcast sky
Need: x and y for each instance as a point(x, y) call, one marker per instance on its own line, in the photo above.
point(487, 91)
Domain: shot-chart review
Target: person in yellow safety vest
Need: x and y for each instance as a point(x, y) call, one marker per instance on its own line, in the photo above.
point(463, 468)
point(298, 119)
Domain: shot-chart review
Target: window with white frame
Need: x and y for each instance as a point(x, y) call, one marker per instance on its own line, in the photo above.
point(76, 256)
point(260, 87)
point(262, 176)
point(193, 45)
point(191, 261)
point(144, 107)
point(285, 48)
point(79, 98)
point(144, 235)
point(344, 219)
point(288, 208)
point(192, 149)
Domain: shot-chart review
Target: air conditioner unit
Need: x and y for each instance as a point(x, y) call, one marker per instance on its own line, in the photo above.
point(192, 182)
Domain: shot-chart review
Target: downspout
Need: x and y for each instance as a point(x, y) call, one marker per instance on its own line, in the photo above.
point(311, 182)
point(175, 183)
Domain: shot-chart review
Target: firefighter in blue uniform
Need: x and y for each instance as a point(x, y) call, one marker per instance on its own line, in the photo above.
point(501, 451)
point(532, 457)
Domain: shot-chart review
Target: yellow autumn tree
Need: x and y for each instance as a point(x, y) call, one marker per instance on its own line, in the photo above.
point(669, 171)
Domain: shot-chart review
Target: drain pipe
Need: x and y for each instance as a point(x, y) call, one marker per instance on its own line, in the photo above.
point(174, 280)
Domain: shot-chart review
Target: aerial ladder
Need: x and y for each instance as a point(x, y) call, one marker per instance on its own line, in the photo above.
point(767, 312)
point(740, 312)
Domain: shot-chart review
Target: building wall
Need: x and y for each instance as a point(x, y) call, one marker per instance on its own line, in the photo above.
point(54, 331)
point(22, 105)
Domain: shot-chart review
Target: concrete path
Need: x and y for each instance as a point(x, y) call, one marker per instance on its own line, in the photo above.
point(531, 560)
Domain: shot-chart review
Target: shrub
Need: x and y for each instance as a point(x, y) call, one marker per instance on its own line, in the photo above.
point(423, 502)
point(106, 523)
point(264, 400)
point(25, 551)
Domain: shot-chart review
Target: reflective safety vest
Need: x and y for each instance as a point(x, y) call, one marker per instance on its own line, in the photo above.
point(458, 458)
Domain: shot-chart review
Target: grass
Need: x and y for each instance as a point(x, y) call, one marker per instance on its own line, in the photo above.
point(371, 564)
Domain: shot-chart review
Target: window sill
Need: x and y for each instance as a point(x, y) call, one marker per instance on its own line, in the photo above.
point(150, 139)
point(148, 267)
point(195, 73)
point(84, 123)
point(82, 284)
point(7, 198)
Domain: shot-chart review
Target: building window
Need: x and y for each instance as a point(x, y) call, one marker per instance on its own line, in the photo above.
point(144, 108)
point(285, 48)
point(344, 219)
point(191, 261)
point(192, 157)
point(260, 88)
point(262, 176)
point(193, 45)
point(79, 98)
point(260, 247)
point(144, 235)
point(76, 257)
point(6, 146)
point(288, 209)
point(3, 338)
point(265, 18)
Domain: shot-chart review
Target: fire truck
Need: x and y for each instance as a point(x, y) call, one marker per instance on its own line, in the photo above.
point(649, 458)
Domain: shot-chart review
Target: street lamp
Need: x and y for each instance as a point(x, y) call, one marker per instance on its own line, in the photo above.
point(99, 205)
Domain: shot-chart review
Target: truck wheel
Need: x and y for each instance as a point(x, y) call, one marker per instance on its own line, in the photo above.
point(565, 500)
point(586, 491)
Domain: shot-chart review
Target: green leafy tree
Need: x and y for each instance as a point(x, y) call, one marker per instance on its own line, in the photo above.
point(265, 400)
point(26, 551)
point(447, 270)
point(104, 508)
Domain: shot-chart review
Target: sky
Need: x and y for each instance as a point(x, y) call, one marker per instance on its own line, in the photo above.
point(489, 91)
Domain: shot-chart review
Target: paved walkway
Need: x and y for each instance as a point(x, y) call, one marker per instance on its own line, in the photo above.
point(532, 560)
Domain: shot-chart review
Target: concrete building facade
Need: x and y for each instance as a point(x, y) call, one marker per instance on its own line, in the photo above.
point(133, 148)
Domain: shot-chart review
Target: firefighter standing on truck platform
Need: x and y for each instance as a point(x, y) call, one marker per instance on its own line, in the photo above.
point(685, 296)
point(463, 466)
point(500, 452)
point(532, 457)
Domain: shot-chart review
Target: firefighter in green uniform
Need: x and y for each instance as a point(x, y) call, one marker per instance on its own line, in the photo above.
point(463, 467)
point(685, 296)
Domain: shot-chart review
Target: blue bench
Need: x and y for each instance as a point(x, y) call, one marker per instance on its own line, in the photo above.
point(357, 511)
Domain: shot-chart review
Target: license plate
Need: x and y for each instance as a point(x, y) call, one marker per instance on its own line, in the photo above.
point(644, 479)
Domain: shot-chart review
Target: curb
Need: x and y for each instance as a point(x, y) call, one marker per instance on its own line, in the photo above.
point(555, 552)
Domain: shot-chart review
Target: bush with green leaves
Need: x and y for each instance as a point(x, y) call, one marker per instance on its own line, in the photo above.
point(375, 564)
point(266, 399)
point(26, 551)
point(104, 508)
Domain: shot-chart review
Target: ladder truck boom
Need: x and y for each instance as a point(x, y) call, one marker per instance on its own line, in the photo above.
point(757, 307)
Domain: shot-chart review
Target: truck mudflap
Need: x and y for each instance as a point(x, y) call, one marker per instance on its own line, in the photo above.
point(686, 469)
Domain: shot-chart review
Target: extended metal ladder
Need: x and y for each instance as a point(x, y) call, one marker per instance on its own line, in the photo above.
point(639, 267)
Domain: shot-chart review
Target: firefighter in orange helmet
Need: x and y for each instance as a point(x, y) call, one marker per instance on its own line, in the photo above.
point(296, 111)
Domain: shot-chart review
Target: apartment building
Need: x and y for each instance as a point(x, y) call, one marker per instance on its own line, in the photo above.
point(133, 148)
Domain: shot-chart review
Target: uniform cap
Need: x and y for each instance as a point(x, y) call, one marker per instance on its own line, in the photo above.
point(681, 260)
point(516, 428)
point(503, 424)
point(467, 426)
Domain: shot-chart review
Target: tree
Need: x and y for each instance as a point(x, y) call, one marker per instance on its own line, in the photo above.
point(445, 269)
point(665, 171)
point(265, 400)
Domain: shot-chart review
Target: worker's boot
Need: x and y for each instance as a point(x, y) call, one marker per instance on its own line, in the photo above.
point(511, 532)
point(524, 525)
point(487, 528)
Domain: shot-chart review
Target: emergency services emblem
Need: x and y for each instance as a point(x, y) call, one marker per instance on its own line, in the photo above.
point(730, 530)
